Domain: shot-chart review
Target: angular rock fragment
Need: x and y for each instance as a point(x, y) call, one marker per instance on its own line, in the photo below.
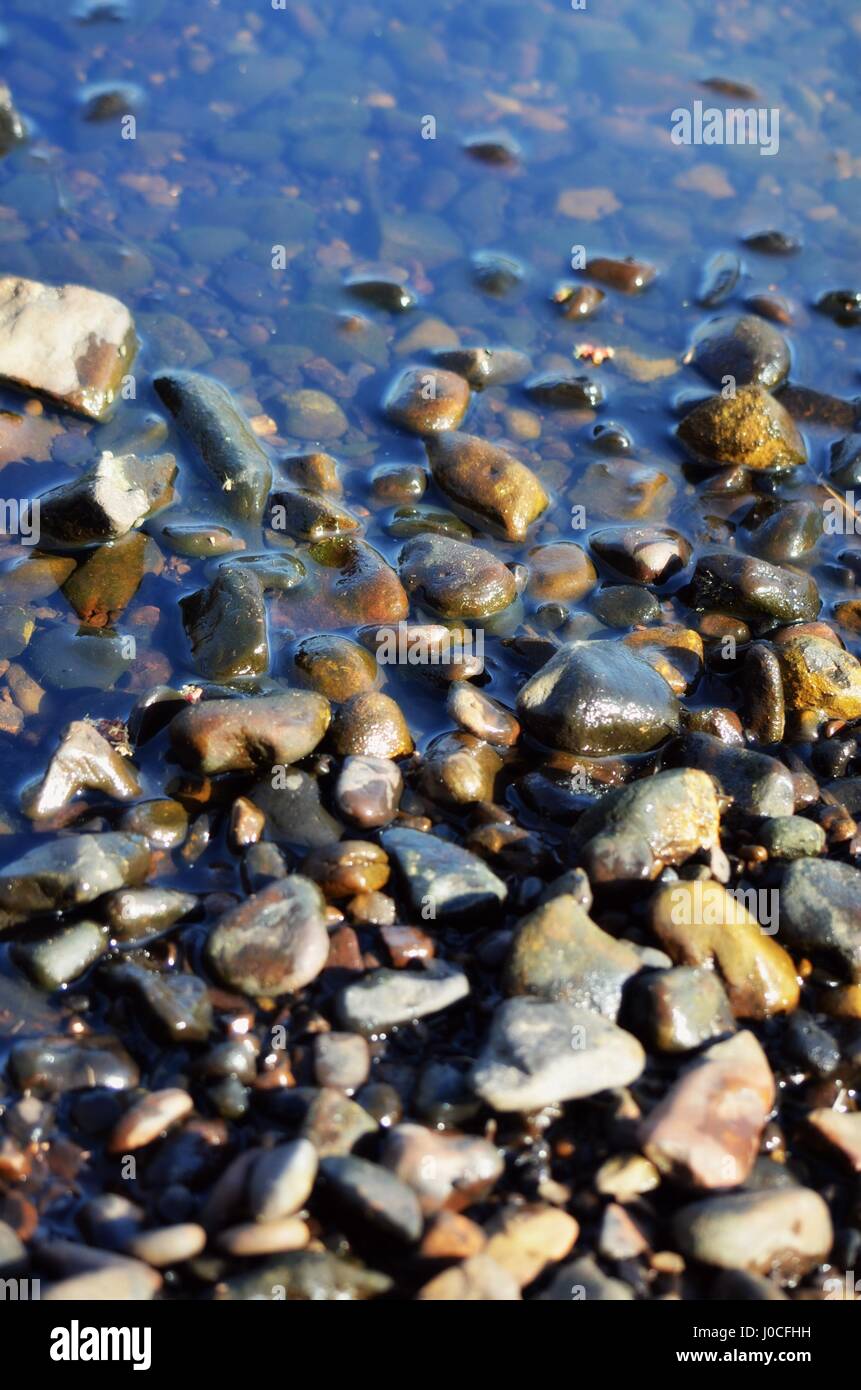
point(72, 344)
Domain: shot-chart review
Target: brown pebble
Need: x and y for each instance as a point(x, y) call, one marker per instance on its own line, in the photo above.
point(148, 1118)
point(265, 1237)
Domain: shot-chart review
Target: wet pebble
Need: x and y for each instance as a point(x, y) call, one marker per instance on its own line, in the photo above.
point(539, 1053)
point(597, 698)
point(454, 578)
point(281, 1180)
point(384, 998)
point(705, 1132)
point(700, 924)
point(275, 942)
point(486, 483)
point(749, 429)
point(426, 400)
point(147, 1119)
point(368, 790)
point(783, 1232)
point(745, 348)
point(442, 879)
point(374, 1196)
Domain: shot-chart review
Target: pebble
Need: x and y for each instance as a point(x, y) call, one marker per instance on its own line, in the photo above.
point(486, 484)
point(335, 1124)
point(374, 1196)
point(347, 868)
point(524, 1240)
point(819, 675)
point(342, 1060)
point(385, 998)
point(626, 605)
point(791, 837)
point(783, 1232)
point(370, 724)
point(229, 449)
point(495, 273)
point(645, 554)
point(626, 1176)
point(314, 415)
point(226, 626)
point(306, 516)
point(744, 347)
point(820, 914)
point(368, 791)
point(585, 1280)
point(169, 1245)
point(840, 1131)
point(753, 590)
point(478, 1279)
point(683, 1008)
point(675, 652)
point(12, 128)
point(459, 769)
point(47, 334)
point(634, 832)
point(706, 1131)
point(147, 1119)
point(564, 391)
point(480, 715)
point(758, 784)
point(560, 572)
point(216, 736)
point(53, 1065)
point(281, 1180)
point(628, 275)
point(484, 366)
point(251, 1238)
point(295, 815)
point(84, 761)
point(450, 1236)
point(748, 430)
point(388, 294)
point(598, 698)
point(128, 1281)
point(763, 694)
point(334, 666)
point(107, 501)
point(720, 277)
point(304, 1276)
point(275, 942)
point(456, 579)
point(702, 924)
point(442, 880)
point(540, 1053)
point(444, 1169)
point(70, 872)
point(427, 400)
point(559, 953)
point(57, 959)
point(177, 1003)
